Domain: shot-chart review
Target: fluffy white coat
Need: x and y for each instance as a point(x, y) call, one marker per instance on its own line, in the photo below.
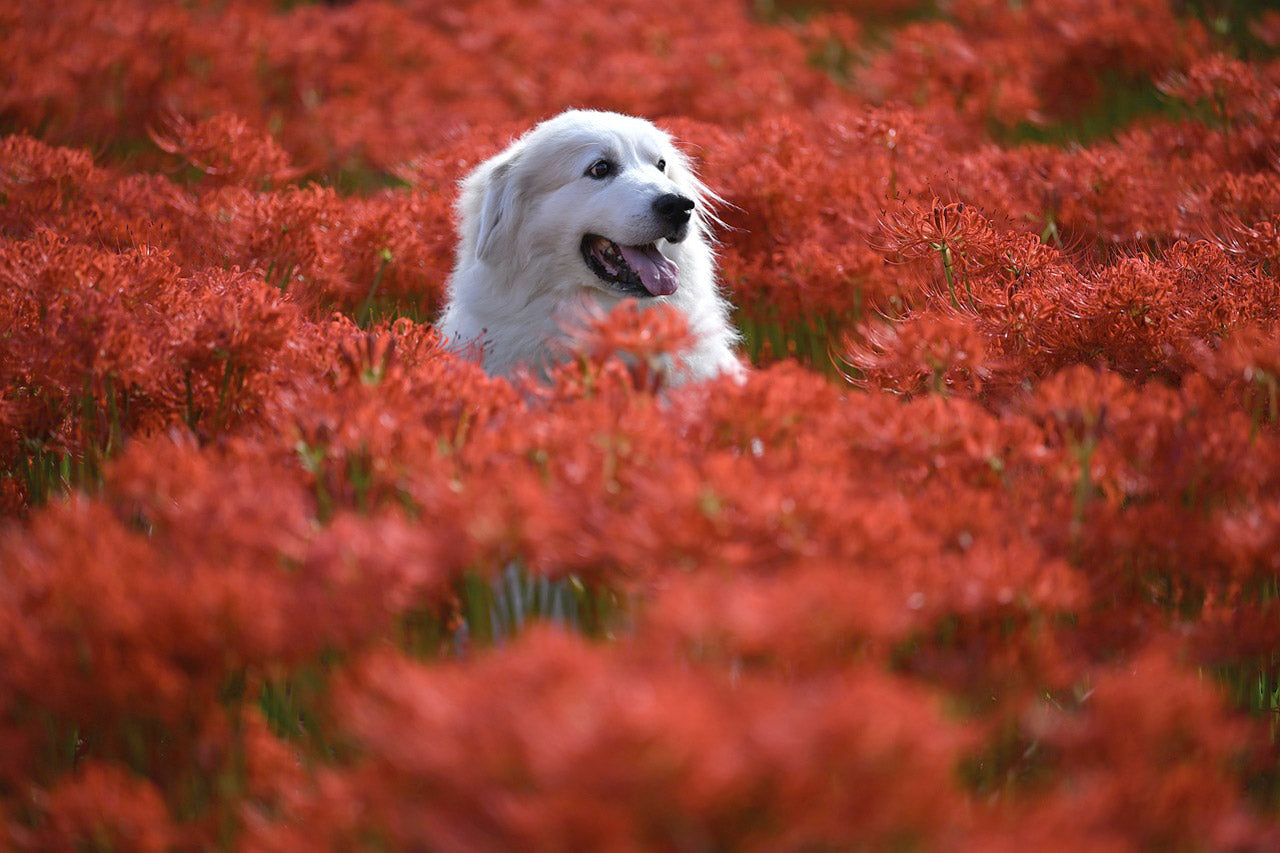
point(526, 219)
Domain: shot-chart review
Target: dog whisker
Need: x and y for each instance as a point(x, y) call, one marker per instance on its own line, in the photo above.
point(573, 216)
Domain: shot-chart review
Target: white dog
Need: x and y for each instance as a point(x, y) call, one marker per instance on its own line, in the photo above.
point(583, 211)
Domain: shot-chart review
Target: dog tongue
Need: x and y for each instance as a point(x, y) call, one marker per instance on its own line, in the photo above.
point(659, 273)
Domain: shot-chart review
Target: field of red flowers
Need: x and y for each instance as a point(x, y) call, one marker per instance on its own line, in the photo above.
point(983, 555)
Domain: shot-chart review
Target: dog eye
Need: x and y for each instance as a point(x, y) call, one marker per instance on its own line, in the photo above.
point(600, 169)
point(662, 165)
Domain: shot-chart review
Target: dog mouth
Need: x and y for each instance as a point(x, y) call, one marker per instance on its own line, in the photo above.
point(635, 270)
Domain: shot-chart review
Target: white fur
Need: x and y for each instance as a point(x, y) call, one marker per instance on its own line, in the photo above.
point(520, 278)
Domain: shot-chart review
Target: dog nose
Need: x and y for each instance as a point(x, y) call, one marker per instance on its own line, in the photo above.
point(674, 209)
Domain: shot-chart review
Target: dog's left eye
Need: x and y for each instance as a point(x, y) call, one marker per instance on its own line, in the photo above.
point(662, 165)
point(600, 169)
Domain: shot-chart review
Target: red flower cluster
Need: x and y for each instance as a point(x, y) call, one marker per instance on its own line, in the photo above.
point(982, 555)
point(1034, 61)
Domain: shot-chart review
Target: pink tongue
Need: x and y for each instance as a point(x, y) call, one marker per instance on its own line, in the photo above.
point(659, 273)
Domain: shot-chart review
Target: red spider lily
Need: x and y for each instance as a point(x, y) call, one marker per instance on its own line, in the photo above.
point(261, 525)
point(1152, 774)
point(646, 346)
point(373, 84)
point(1244, 369)
point(105, 805)
point(1029, 63)
point(102, 345)
point(1259, 242)
point(946, 228)
point(924, 353)
point(658, 739)
point(226, 150)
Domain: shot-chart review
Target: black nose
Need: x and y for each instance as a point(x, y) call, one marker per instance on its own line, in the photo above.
point(674, 209)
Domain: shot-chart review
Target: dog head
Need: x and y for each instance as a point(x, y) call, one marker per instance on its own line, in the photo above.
point(586, 200)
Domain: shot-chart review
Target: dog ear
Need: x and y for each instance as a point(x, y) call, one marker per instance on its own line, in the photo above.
point(498, 207)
